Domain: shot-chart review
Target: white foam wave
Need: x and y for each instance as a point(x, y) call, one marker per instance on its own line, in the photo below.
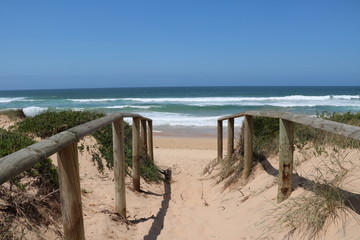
point(292, 100)
point(7, 100)
point(229, 99)
point(95, 100)
point(33, 111)
point(347, 97)
point(131, 106)
point(284, 104)
point(177, 119)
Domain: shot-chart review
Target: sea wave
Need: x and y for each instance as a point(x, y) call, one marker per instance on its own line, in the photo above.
point(94, 100)
point(15, 99)
point(279, 104)
point(178, 119)
point(131, 106)
point(347, 97)
point(242, 99)
point(33, 111)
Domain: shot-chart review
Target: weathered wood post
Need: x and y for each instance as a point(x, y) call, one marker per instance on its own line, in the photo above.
point(286, 150)
point(248, 145)
point(136, 153)
point(70, 193)
point(230, 141)
point(150, 141)
point(144, 142)
point(119, 166)
point(220, 140)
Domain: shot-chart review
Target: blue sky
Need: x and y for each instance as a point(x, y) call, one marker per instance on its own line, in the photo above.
point(71, 44)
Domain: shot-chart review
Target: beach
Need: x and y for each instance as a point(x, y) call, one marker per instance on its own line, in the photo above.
point(193, 205)
point(224, 120)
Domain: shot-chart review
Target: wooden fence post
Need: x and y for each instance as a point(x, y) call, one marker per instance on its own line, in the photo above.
point(248, 145)
point(220, 140)
point(150, 141)
point(136, 153)
point(70, 193)
point(286, 150)
point(230, 139)
point(119, 166)
point(143, 131)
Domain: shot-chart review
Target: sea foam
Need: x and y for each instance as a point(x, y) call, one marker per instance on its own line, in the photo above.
point(7, 100)
point(95, 100)
point(33, 111)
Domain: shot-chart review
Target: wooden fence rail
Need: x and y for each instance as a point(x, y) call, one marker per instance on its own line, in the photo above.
point(286, 135)
point(65, 145)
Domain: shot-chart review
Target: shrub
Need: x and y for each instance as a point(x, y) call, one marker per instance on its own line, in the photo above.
point(44, 171)
point(50, 123)
point(319, 138)
point(265, 139)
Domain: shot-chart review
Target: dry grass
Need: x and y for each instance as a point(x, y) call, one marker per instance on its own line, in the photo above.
point(230, 169)
point(22, 213)
point(325, 203)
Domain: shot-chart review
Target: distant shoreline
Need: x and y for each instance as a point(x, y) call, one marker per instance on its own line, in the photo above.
point(184, 132)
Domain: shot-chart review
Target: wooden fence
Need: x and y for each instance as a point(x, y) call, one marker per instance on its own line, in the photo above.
point(65, 145)
point(286, 135)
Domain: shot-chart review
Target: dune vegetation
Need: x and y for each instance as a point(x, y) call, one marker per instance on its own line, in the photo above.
point(326, 201)
point(32, 195)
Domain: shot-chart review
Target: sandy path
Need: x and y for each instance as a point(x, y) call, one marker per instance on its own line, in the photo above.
point(187, 213)
point(185, 218)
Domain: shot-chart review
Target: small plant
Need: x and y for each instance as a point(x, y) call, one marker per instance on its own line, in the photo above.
point(148, 170)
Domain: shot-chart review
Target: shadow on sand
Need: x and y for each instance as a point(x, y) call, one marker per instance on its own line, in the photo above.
point(158, 223)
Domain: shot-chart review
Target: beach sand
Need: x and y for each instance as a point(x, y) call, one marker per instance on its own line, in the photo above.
point(193, 206)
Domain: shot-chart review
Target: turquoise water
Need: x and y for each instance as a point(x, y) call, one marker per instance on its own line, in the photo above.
point(187, 106)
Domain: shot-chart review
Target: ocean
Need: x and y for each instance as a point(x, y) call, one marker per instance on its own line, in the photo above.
point(186, 106)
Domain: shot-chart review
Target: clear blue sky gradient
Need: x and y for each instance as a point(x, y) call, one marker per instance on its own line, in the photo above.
point(71, 44)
